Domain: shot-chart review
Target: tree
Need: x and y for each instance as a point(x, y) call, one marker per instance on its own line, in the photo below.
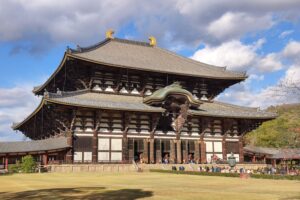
point(28, 164)
point(288, 88)
point(284, 131)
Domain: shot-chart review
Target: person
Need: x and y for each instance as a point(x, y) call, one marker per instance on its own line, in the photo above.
point(166, 159)
point(241, 170)
point(141, 158)
point(207, 169)
point(200, 169)
point(191, 159)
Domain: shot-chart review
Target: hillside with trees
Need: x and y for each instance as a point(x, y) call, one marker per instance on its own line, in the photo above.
point(284, 131)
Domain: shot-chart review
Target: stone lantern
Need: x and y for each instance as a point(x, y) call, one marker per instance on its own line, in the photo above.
point(231, 161)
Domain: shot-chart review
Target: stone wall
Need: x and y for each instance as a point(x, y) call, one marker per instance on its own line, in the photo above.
point(123, 168)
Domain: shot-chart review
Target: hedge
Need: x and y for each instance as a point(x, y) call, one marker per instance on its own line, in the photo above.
point(196, 173)
point(258, 176)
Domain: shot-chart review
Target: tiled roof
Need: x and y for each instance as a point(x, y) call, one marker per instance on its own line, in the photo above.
point(135, 103)
point(220, 109)
point(34, 145)
point(88, 99)
point(261, 150)
point(273, 153)
point(287, 154)
point(140, 55)
point(103, 101)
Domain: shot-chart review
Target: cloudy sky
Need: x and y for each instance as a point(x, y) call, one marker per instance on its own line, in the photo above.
point(261, 37)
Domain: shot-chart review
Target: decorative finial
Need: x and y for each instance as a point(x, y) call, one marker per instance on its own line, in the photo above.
point(152, 40)
point(68, 49)
point(109, 34)
point(46, 93)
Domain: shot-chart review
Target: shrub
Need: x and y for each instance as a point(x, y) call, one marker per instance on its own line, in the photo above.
point(14, 168)
point(196, 173)
point(261, 176)
point(28, 164)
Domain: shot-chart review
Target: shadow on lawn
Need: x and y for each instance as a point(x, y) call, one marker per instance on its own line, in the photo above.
point(78, 193)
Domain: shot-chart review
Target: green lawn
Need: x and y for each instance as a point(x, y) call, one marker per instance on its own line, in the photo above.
point(142, 186)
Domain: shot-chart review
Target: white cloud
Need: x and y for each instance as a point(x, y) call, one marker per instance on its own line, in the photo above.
point(292, 51)
point(234, 25)
point(238, 56)
point(284, 34)
point(233, 54)
point(15, 104)
point(270, 62)
point(173, 22)
point(243, 94)
point(282, 92)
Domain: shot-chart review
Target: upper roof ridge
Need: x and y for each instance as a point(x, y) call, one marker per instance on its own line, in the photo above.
point(81, 49)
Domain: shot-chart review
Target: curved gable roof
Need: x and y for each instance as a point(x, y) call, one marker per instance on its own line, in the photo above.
point(142, 56)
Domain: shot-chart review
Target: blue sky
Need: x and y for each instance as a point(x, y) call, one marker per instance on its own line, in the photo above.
point(259, 37)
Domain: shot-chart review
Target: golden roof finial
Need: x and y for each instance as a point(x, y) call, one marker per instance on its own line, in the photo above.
point(109, 34)
point(152, 40)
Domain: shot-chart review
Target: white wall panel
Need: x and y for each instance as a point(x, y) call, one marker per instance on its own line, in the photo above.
point(103, 143)
point(116, 144)
point(87, 156)
point(116, 156)
point(103, 156)
point(218, 146)
point(208, 157)
point(209, 146)
point(78, 156)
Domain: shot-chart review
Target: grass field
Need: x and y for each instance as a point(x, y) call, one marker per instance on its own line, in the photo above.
point(142, 186)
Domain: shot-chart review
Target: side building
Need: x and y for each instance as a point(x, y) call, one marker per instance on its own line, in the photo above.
point(122, 100)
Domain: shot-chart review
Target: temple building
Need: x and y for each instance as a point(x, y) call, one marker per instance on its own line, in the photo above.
point(122, 100)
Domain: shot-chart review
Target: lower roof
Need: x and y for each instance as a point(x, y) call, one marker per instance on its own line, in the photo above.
point(108, 101)
point(34, 145)
point(220, 109)
point(103, 101)
point(135, 103)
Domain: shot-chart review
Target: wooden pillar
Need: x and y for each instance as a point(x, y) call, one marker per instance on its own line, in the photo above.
point(172, 151)
point(125, 151)
point(184, 149)
point(69, 155)
point(145, 152)
point(179, 156)
point(130, 149)
point(224, 150)
point(241, 151)
point(45, 159)
point(202, 151)
point(152, 158)
point(197, 152)
point(95, 147)
point(158, 151)
point(6, 162)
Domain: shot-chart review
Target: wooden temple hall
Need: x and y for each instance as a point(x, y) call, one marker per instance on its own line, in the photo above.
point(122, 100)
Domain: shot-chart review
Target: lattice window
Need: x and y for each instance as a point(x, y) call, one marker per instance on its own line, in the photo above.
point(110, 149)
point(232, 147)
point(213, 148)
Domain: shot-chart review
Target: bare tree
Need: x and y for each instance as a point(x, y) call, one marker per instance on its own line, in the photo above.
point(289, 89)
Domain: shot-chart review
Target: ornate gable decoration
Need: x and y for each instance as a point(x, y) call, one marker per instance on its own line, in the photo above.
point(176, 101)
point(172, 92)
